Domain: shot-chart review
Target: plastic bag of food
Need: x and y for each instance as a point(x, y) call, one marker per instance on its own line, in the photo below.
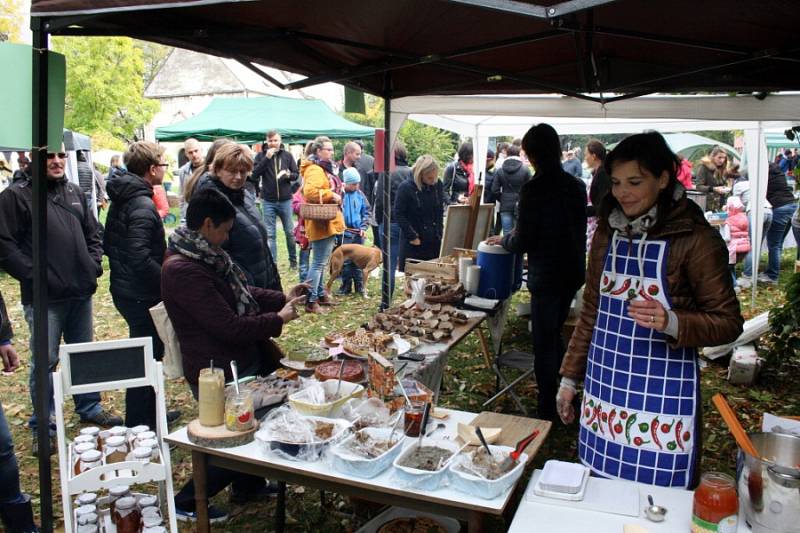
point(418, 291)
point(290, 435)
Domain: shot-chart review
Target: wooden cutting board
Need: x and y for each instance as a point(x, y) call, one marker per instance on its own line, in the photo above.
point(217, 436)
point(514, 429)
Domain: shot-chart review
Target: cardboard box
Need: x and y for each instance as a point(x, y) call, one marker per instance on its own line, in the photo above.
point(745, 365)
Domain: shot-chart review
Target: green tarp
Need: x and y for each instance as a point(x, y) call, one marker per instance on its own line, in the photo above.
point(247, 120)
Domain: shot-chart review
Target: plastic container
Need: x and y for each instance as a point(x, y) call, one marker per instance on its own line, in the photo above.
point(497, 271)
point(300, 400)
point(308, 451)
point(351, 464)
point(422, 479)
point(469, 483)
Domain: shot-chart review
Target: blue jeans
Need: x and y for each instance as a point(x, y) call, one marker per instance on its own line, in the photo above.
point(394, 250)
point(9, 471)
point(321, 253)
point(781, 224)
point(71, 319)
point(271, 211)
point(305, 255)
point(351, 274)
point(507, 220)
point(747, 271)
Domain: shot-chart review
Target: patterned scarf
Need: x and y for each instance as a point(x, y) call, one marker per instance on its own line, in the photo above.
point(194, 246)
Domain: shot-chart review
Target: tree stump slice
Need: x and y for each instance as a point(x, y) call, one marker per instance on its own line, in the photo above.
point(217, 436)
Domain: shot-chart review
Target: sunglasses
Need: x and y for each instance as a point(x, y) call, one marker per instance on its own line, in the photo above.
point(61, 155)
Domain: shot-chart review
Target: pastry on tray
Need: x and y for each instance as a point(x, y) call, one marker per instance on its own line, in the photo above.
point(353, 371)
point(361, 342)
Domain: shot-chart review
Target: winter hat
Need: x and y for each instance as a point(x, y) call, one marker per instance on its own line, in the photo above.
point(351, 176)
point(734, 206)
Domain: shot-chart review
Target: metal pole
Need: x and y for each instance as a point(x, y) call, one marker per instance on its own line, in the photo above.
point(39, 237)
point(386, 295)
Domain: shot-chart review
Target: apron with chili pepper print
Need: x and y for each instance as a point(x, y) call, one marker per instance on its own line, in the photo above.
point(637, 419)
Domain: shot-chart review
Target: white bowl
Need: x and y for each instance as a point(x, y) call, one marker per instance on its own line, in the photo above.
point(470, 483)
point(300, 399)
point(348, 463)
point(423, 479)
point(307, 451)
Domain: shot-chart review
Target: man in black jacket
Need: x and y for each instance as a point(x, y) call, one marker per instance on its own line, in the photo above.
point(74, 254)
point(15, 507)
point(276, 171)
point(134, 242)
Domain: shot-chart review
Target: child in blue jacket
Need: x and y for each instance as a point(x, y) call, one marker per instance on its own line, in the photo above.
point(356, 219)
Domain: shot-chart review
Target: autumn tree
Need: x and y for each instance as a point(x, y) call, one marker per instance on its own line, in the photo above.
point(11, 21)
point(105, 87)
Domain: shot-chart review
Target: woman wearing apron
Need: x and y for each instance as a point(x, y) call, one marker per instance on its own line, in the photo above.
point(657, 287)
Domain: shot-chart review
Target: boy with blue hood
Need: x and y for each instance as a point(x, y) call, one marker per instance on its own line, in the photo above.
point(356, 209)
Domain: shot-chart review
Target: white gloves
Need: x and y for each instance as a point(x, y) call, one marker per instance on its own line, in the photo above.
point(566, 394)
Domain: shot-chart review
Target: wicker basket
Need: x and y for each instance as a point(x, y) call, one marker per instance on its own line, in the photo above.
point(320, 211)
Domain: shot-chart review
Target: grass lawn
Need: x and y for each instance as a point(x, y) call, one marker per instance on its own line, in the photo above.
point(467, 384)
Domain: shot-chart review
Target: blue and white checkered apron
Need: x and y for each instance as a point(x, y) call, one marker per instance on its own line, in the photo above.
point(637, 419)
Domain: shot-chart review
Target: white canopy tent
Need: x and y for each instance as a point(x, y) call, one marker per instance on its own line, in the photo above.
point(481, 117)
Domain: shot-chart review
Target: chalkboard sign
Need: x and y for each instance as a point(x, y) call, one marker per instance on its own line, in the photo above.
point(121, 362)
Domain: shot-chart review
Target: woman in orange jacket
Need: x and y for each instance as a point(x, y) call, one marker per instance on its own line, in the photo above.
point(321, 186)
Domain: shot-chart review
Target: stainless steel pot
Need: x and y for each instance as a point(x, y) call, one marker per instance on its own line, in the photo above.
point(769, 486)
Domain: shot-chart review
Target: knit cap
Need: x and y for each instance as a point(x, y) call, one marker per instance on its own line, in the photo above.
point(351, 176)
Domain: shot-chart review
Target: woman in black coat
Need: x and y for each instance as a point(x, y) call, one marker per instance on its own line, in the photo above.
point(419, 210)
point(248, 240)
point(458, 176)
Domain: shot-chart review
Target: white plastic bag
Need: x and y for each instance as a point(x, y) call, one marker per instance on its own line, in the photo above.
point(172, 362)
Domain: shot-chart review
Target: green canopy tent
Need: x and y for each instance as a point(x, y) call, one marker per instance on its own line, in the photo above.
point(247, 120)
point(777, 142)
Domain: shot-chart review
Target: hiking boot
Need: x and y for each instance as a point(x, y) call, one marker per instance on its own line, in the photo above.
point(314, 307)
point(269, 490)
point(763, 278)
point(215, 515)
point(18, 517)
point(105, 419)
point(326, 300)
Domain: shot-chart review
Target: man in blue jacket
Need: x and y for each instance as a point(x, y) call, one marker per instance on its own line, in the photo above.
point(356, 219)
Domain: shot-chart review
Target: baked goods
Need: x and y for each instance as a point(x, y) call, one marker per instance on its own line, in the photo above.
point(361, 342)
point(285, 373)
point(435, 324)
point(270, 390)
point(417, 524)
point(442, 292)
point(352, 371)
point(382, 379)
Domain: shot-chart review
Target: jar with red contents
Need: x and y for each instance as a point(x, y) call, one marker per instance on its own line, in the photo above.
point(716, 505)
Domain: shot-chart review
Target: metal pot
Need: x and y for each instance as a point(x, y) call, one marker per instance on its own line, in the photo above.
point(769, 486)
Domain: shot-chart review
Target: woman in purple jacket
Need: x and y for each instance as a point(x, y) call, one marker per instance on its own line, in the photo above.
point(216, 315)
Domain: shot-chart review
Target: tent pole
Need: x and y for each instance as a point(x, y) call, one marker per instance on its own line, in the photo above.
point(386, 295)
point(39, 237)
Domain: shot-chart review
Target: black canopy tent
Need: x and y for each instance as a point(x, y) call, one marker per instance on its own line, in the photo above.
point(598, 50)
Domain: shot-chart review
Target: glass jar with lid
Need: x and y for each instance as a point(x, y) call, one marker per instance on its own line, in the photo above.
point(115, 493)
point(141, 454)
point(134, 432)
point(155, 529)
point(83, 439)
point(94, 433)
point(87, 528)
point(716, 504)
point(143, 436)
point(151, 521)
point(77, 451)
point(116, 449)
point(87, 498)
point(126, 515)
point(84, 510)
point(153, 445)
point(87, 519)
point(90, 459)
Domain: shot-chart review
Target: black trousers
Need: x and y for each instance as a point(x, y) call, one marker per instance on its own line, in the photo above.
point(549, 311)
point(140, 402)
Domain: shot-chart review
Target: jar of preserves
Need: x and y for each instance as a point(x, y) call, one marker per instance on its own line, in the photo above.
point(87, 498)
point(85, 510)
point(141, 454)
point(87, 528)
point(94, 433)
point(116, 449)
point(143, 436)
point(83, 439)
point(134, 432)
point(115, 493)
point(126, 515)
point(152, 511)
point(211, 397)
point(716, 505)
point(90, 459)
point(77, 450)
point(239, 411)
point(151, 521)
point(88, 519)
point(155, 529)
point(153, 445)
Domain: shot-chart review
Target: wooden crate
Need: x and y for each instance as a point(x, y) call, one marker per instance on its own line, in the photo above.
point(444, 268)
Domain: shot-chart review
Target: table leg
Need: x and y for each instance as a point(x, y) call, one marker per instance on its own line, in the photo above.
point(199, 473)
point(484, 348)
point(280, 508)
point(475, 524)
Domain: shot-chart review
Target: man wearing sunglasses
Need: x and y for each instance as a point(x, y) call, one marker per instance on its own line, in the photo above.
point(74, 254)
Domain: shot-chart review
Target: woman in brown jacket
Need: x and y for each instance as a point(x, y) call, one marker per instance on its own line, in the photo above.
point(657, 287)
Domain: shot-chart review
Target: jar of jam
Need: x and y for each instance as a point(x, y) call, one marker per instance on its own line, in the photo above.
point(87, 528)
point(239, 411)
point(126, 515)
point(154, 512)
point(141, 454)
point(87, 498)
point(115, 493)
point(83, 439)
point(151, 521)
point(88, 519)
point(134, 432)
point(94, 433)
point(716, 505)
point(143, 436)
point(90, 459)
point(116, 449)
point(153, 445)
point(77, 450)
point(155, 529)
point(85, 510)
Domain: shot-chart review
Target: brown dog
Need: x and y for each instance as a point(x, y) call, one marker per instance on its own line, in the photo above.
point(365, 258)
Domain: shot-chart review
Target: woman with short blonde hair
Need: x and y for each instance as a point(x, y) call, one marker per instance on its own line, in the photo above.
point(419, 209)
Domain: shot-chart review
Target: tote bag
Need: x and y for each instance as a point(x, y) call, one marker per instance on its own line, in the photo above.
point(172, 362)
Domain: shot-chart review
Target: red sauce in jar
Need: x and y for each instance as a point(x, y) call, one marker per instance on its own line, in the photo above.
point(716, 505)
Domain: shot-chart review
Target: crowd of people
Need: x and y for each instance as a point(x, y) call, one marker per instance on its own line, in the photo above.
point(659, 281)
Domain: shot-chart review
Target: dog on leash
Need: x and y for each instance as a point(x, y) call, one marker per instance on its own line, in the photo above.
point(366, 258)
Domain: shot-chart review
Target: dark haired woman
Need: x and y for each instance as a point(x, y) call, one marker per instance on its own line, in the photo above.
point(657, 287)
point(459, 179)
point(551, 229)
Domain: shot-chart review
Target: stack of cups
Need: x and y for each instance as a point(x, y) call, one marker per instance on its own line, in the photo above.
point(473, 279)
point(463, 264)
